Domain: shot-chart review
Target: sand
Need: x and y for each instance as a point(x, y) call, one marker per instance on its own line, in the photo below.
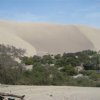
point(53, 38)
point(53, 92)
point(13, 40)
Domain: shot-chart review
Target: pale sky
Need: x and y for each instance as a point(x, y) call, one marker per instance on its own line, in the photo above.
point(53, 11)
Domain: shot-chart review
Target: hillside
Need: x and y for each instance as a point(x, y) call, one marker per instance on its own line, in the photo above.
point(8, 38)
point(52, 38)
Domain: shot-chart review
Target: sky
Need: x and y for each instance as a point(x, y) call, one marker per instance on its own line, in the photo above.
point(52, 11)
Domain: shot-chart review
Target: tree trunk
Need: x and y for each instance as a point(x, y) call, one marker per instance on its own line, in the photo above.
point(12, 95)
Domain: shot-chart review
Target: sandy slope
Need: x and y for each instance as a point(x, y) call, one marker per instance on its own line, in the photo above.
point(8, 38)
point(92, 34)
point(54, 38)
point(13, 40)
point(54, 92)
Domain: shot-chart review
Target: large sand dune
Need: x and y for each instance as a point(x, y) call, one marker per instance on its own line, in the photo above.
point(13, 40)
point(53, 38)
point(53, 92)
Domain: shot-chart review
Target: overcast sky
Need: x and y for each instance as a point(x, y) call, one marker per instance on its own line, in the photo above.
point(52, 11)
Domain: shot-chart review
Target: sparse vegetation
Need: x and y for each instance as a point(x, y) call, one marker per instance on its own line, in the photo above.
point(49, 69)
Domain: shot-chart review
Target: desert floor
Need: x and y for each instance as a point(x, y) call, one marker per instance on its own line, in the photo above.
point(53, 92)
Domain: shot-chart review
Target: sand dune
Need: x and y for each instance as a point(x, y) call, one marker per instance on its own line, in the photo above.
point(8, 38)
point(53, 92)
point(53, 38)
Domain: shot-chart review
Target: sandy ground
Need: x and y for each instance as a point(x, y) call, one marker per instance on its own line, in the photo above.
point(53, 92)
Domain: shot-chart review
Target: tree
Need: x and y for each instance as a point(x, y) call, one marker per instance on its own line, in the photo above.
point(70, 70)
point(47, 59)
point(10, 69)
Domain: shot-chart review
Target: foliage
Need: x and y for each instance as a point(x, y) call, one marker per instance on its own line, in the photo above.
point(69, 70)
point(10, 69)
point(49, 69)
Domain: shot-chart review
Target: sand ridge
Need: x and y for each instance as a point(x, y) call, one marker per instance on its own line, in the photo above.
point(54, 38)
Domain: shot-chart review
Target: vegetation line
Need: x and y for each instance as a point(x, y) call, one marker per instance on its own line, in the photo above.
point(76, 69)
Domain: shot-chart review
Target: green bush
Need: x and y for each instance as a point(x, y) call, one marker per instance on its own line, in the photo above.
point(70, 70)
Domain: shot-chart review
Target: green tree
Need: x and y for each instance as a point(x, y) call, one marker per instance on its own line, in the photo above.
point(70, 70)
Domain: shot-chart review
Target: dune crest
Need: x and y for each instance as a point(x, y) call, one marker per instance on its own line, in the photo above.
point(53, 38)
